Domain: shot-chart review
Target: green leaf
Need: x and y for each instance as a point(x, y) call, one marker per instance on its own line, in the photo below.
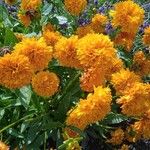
point(125, 56)
point(15, 133)
point(4, 17)
point(2, 112)
point(52, 125)
point(10, 39)
point(114, 118)
point(24, 95)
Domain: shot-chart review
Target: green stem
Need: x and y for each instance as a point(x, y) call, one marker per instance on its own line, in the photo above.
point(14, 123)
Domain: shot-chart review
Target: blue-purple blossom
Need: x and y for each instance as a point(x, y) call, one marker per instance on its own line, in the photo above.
point(109, 28)
point(143, 26)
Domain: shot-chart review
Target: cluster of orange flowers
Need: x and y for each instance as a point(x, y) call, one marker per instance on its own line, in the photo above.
point(93, 52)
point(90, 110)
point(26, 64)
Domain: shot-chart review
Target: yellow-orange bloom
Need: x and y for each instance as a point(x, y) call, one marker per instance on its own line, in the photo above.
point(146, 36)
point(124, 80)
point(3, 146)
point(127, 15)
point(125, 39)
point(65, 52)
point(131, 135)
point(124, 147)
point(37, 51)
point(142, 126)
point(141, 64)
point(30, 4)
point(93, 49)
point(91, 78)
point(136, 101)
point(74, 145)
point(98, 104)
point(25, 19)
point(112, 66)
point(15, 71)
point(45, 83)
point(10, 2)
point(84, 30)
point(75, 7)
point(51, 37)
point(117, 137)
point(48, 27)
point(98, 23)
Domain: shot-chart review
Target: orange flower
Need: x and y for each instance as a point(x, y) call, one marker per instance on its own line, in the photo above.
point(25, 19)
point(98, 105)
point(37, 51)
point(98, 23)
point(136, 102)
point(65, 52)
point(51, 37)
point(141, 64)
point(125, 39)
point(146, 36)
point(3, 146)
point(117, 137)
point(75, 7)
point(127, 15)
point(84, 30)
point(45, 83)
point(124, 80)
point(15, 71)
point(30, 4)
point(91, 78)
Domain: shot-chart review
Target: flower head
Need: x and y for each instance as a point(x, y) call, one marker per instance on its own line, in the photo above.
point(15, 71)
point(25, 19)
point(141, 65)
point(30, 4)
point(98, 23)
point(75, 7)
point(127, 15)
point(98, 105)
point(92, 77)
point(45, 83)
point(93, 49)
point(3, 146)
point(65, 52)
point(51, 37)
point(146, 36)
point(125, 39)
point(117, 137)
point(84, 30)
point(37, 51)
point(48, 27)
point(136, 101)
point(124, 80)
point(124, 147)
point(142, 126)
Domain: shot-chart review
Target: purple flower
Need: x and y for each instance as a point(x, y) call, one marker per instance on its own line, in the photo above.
point(109, 28)
point(143, 26)
point(96, 2)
